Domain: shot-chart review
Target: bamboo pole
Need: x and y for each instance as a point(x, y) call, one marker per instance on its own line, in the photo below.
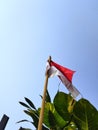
point(43, 100)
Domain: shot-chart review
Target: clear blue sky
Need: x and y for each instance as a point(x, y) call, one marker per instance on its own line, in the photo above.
point(30, 31)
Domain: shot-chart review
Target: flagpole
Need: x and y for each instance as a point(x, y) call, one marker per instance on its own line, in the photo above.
point(43, 100)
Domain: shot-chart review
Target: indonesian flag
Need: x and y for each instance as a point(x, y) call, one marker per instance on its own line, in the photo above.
point(64, 74)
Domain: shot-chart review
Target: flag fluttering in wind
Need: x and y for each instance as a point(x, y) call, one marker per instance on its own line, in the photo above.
point(64, 74)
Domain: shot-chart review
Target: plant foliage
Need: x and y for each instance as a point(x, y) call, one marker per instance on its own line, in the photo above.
point(64, 113)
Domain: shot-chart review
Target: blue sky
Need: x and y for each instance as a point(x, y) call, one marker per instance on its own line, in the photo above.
point(30, 31)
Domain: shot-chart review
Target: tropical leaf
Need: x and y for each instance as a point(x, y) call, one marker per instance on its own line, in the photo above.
point(48, 108)
point(24, 104)
point(85, 115)
point(63, 105)
point(24, 128)
point(35, 116)
point(23, 121)
point(51, 118)
point(30, 103)
point(63, 114)
point(31, 113)
point(71, 126)
point(48, 98)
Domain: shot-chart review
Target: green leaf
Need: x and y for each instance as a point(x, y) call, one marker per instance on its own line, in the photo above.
point(52, 121)
point(48, 108)
point(51, 118)
point(34, 115)
point(24, 104)
point(63, 105)
point(24, 128)
point(48, 98)
point(71, 126)
point(23, 121)
point(31, 113)
point(85, 115)
point(30, 103)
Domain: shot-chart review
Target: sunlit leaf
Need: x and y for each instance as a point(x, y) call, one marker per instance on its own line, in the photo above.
point(63, 105)
point(51, 118)
point(85, 115)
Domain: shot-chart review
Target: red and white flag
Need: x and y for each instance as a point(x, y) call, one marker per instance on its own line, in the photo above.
point(64, 74)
